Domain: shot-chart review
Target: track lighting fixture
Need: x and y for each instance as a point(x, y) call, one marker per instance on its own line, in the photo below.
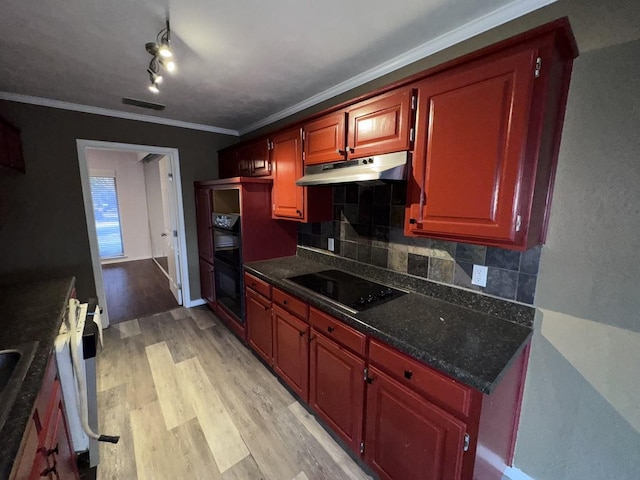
point(162, 56)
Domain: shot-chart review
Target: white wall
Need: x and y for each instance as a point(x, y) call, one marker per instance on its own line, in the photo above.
point(154, 204)
point(132, 199)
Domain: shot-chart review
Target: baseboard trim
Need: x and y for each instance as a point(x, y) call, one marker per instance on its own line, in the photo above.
point(514, 473)
point(195, 303)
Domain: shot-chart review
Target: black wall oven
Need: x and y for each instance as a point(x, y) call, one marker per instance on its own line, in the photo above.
point(228, 262)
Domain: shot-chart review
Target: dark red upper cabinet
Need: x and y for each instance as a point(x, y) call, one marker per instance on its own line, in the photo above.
point(228, 163)
point(380, 125)
point(244, 154)
point(260, 163)
point(286, 157)
point(324, 139)
point(487, 139)
point(10, 147)
point(245, 160)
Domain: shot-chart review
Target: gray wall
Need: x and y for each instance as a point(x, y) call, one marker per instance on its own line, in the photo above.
point(581, 414)
point(43, 229)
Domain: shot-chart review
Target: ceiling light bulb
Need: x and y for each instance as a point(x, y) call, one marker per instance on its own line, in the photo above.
point(154, 88)
point(158, 79)
point(164, 51)
point(171, 65)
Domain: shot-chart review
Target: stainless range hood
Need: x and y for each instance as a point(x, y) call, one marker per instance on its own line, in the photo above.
point(391, 166)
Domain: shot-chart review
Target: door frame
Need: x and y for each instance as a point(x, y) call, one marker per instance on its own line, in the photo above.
point(173, 155)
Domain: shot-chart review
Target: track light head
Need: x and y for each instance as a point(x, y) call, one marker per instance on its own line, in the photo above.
point(162, 56)
point(164, 50)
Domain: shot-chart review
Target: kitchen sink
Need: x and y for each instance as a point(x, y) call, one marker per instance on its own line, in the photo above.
point(14, 363)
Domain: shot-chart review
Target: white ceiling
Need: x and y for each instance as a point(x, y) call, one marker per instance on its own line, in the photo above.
point(241, 64)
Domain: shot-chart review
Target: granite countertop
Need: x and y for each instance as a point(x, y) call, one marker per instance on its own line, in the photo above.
point(466, 344)
point(29, 312)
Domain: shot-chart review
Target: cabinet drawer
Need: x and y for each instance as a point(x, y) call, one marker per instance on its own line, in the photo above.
point(338, 331)
point(290, 303)
point(445, 391)
point(260, 286)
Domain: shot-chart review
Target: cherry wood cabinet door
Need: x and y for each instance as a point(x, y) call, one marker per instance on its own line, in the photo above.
point(228, 163)
point(336, 390)
point(324, 139)
point(471, 135)
point(260, 163)
point(380, 125)
point(10, 147)
point(259, 325)
point(286, 160)
point(63, 460)
point(207, 283)
point(408, 438)
point(203, 224)
point(245, 154)
point(291, 351)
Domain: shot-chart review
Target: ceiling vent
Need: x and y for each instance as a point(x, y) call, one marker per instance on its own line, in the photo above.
point(143, 104)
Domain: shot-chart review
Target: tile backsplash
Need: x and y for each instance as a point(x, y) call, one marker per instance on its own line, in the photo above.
point(368, 227)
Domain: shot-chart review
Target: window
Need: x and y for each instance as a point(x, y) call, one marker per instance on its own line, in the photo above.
point(107, 216)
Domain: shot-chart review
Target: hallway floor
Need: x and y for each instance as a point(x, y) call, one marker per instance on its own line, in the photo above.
point(190, 401)
point(136, 289)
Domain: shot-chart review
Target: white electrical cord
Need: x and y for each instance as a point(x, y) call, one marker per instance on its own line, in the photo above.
point(81, 380)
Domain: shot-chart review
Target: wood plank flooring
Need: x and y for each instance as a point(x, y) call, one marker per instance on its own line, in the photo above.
point(190, 401)
point(136, 289)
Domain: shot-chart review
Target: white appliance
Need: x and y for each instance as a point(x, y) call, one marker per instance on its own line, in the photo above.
point(79, 388)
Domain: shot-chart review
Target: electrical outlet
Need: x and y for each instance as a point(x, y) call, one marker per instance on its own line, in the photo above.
point(331, 245)
point(479, 275)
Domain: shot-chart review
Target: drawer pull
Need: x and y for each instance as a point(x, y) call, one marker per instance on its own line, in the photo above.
point(53, 469)
point(408, 374)
point(285, 302)
point(53, 451)
point(330, 329)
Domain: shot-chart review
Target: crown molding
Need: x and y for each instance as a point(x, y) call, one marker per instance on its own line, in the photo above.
point(47, 102)
point(475, 27)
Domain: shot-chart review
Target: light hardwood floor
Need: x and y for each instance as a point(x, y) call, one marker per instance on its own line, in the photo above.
point(191, 402)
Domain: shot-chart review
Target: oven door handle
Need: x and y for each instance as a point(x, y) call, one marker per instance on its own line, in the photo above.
point(225, 263)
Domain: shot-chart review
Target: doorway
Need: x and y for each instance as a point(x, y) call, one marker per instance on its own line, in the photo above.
point(155, 218)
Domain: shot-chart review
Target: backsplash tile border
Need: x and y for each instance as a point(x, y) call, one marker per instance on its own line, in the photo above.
point(510, 311)
point(368, 220)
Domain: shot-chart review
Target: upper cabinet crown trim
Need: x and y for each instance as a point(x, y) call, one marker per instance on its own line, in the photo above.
point(475, 27)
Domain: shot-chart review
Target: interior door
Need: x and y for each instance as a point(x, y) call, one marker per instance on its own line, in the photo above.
point(170, 215)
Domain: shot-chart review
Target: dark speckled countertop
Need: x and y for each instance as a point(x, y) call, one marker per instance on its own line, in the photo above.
point(468, 344)
point(29, 312)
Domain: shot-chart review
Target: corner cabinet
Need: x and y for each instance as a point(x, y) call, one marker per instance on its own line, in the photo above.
point(488, 133)
point(290, 201)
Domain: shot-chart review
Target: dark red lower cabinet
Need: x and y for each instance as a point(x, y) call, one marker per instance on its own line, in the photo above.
point(291, 351)
point(336, 389)
point(408, 438)
point(259, 325)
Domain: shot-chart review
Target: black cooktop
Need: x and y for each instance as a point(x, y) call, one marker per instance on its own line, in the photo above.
point(353, 292)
